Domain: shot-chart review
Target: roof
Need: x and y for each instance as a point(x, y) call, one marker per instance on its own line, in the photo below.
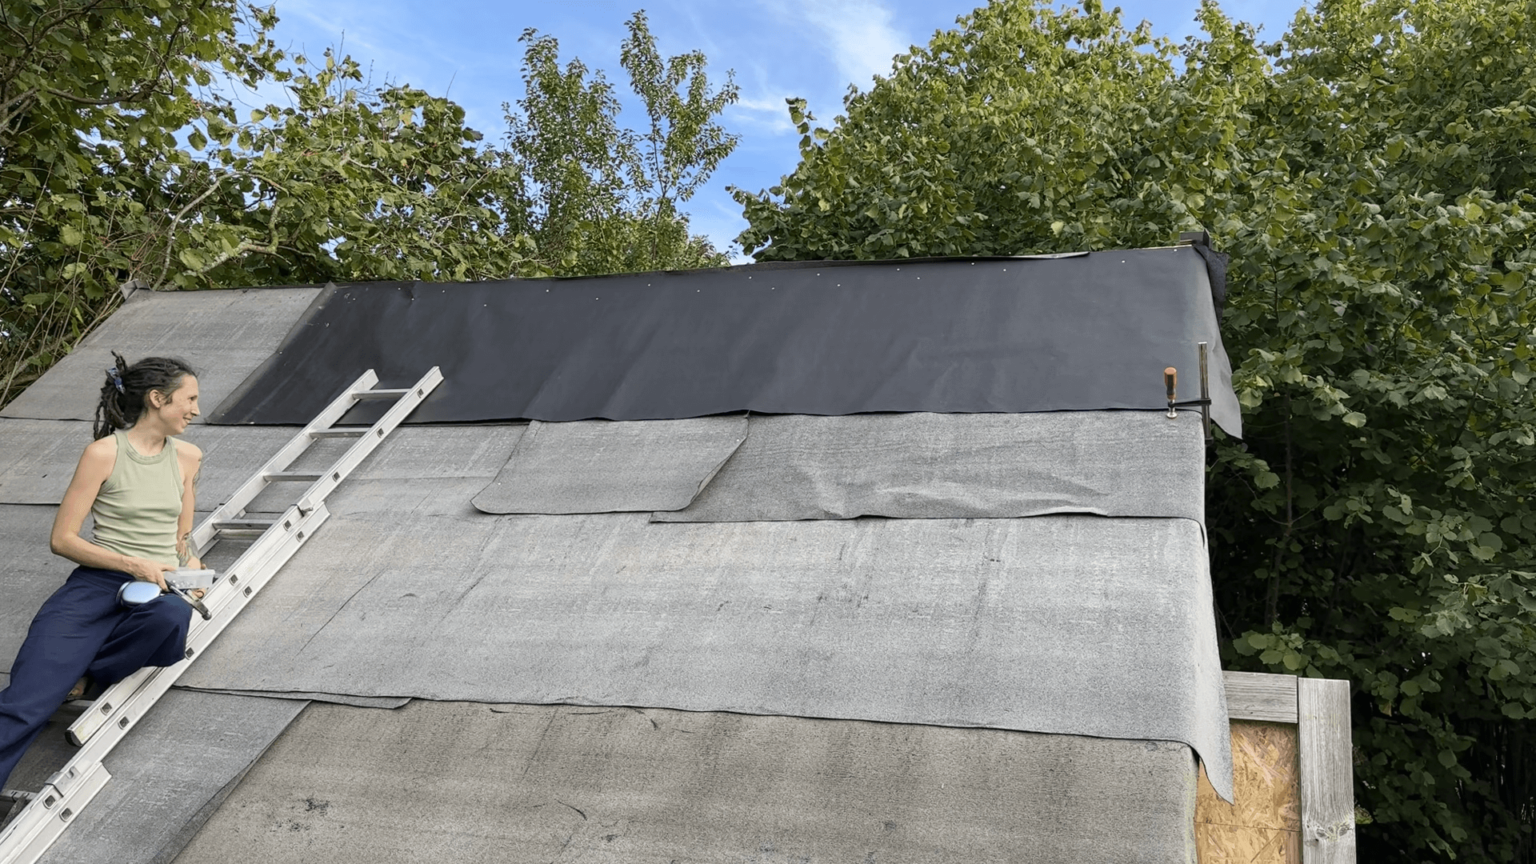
point(790, 636)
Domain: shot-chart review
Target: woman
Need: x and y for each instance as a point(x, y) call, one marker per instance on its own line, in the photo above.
point(137, 482)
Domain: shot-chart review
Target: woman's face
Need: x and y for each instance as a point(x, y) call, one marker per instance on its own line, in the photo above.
point(176, 410)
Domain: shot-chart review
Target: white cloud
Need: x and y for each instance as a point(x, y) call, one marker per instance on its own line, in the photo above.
point(862, 40)
point(768, 113)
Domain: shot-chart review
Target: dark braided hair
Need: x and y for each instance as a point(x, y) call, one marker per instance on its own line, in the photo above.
point(125, 396)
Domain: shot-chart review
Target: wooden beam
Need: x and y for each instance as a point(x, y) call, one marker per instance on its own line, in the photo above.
point(1260, 696)
point(1327, 772)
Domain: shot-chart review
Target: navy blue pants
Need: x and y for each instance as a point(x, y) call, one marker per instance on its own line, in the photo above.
point(83, 630)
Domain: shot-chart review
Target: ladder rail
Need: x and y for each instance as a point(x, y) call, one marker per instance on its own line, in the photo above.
point(66, 792)
point(256, 556)
point(112, 716)
point(370, 440)
point(31, 833)
point(204, 535)
point(154, 681)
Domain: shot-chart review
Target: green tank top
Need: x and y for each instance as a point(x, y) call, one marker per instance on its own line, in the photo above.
point(137, 508)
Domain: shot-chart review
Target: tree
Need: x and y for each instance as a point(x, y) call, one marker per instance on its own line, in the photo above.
point(1371, 174)
point(90, 93)
point(605, 197)
point(344, 182)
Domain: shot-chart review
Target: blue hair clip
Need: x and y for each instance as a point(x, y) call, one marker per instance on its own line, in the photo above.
point(117, 378)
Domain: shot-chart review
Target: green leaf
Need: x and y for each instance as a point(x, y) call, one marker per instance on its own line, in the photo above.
point(69, 235)
point(1355, 419)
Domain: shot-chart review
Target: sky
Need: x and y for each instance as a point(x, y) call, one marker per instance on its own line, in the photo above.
point(813, 49)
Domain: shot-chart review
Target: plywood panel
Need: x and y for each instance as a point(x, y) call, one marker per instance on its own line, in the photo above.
point(1263, 825)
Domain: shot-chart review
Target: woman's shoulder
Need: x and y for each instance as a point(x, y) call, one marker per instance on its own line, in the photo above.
point(188, 455)
point(99, 458)
point(102, 448)
point(186, 449)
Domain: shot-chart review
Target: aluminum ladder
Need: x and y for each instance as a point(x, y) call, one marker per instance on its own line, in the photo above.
point(107, 720)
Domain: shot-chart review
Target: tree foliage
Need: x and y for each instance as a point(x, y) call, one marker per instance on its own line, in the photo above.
point(605, 197)
point(1372, 174)
point(127, 158)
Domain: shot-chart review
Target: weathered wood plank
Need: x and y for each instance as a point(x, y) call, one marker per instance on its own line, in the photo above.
point(1261, 697)
point(1262, 825)
point(1327, 772)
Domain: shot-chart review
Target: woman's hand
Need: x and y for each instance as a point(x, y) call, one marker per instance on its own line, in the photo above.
point(145, 570)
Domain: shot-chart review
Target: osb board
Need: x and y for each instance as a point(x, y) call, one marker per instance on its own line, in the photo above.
point(1263, 826)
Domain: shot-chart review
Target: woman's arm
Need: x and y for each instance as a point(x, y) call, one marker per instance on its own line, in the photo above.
point(94, 469)
point(191, 459)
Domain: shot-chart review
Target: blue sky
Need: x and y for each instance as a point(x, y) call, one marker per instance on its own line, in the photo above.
point(778, 48)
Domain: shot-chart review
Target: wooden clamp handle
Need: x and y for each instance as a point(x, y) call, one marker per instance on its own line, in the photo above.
point(1171, 381)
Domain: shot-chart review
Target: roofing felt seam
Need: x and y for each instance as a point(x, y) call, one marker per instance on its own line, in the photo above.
point(169, 774)
point(38, 457)
point(959, 466)
point(1065, 624)
point(518, 783)
point(607, 467)
point(1084, 333)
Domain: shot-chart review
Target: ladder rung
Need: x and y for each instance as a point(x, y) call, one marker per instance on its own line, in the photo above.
point(17, 795)
point(337, 433)
point(304, 476)
point(233, 528)
point(370, 395)
point(244, 523)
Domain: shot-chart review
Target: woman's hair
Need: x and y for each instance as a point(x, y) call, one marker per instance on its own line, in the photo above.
point(125, 396)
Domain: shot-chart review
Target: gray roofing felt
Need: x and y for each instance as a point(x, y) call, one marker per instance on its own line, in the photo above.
point(602, 467)
point(1071, 624)
point(474, 782)
point(29, 575)
point(1074, 624)
point(38, 457)
point(225, 335)
point(926, 466)
point(170, 775)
